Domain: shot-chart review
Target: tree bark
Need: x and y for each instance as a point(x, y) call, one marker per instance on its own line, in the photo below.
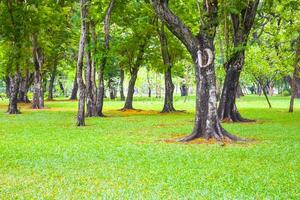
point(75, 88)
point(201, 49)
point(38, 94)
point(184, 90)
point(296, 73)
point(112, 89)
point(169, 86)
point(133, 75)
point(122, 76)
point(13, 97)
point(101, 90)
point(24, 87)
point(81, 84)
point(7, 84)
point(242, 24)
point(89, 79)
point(51, 83)
point(130, 92)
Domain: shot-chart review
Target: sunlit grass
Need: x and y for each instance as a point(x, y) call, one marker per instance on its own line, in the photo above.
point(124, 156)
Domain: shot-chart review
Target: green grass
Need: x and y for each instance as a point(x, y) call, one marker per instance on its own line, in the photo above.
point(43, 155)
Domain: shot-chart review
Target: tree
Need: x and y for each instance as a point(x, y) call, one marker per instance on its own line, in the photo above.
point(207, 124)
point(169, 86)
point(101, 91)
point(82, 87)
point(295, 74)
point(242, 22)
point(134, 69)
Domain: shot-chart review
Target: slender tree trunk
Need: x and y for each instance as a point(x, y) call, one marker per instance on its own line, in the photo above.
point(122, 76)
point(101, 89)
point(149, 84)
point(130, 92)
point(296, 73)
point(38, 94)
point(184, 90)
point(61, 86)
point(7, 84)
point(202, 51)
point(89, 80)
point(13, 90)
point(51, 83)
point(133, 75)
point(169, 86)
point(81, 84)
point(24, 87)
point(112, 90)
point(75, 88)
point(242, 24)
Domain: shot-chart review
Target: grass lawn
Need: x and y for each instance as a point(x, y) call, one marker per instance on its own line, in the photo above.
point(43, 155)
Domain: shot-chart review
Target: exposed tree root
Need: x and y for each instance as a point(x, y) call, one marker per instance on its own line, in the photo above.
point(220, 135)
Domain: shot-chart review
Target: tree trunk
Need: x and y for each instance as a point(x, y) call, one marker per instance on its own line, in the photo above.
point(62, 88)
point(184, 90)
point(38, 94)
point(13, 90)
point(81, 84)
point(51, 83)
point(242, 24)
point(112, 90)
point(169, 86)
point(101, 90)
point(149, 84)
point(295, 86)
point(201, 49)
point(75, 88)
point(133, 75)
point(24, 87)
point(122, 75)
point(89, 79)
point(130, 92)
point(227, 110)
point(7, 84)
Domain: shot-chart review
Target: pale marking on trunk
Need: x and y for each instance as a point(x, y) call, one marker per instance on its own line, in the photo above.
point(210, 58)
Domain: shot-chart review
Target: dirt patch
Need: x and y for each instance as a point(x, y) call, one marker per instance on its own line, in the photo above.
point(134, 112)
point(201, 141)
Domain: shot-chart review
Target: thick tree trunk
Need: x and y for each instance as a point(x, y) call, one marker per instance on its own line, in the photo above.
point(122, 76)
point(51, 83)
point(38, 94)
point(13, 90)
point(201, 48)
point(242, 24)
point(130, 91)
point(295, 86)
point(169, 86)
point(75, 89)
point(227, 110)
point(81, 84)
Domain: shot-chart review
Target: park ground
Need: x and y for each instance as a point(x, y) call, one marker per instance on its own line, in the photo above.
point(132, 155)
